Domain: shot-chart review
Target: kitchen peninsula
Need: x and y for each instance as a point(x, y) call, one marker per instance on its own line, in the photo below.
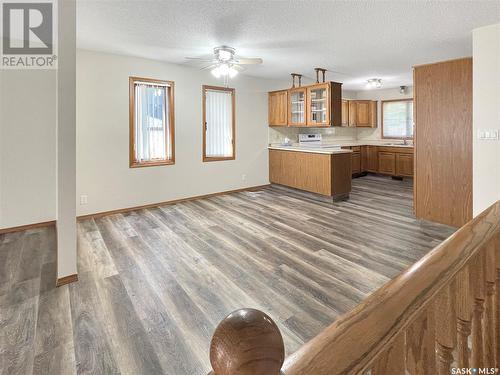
point(325, 171)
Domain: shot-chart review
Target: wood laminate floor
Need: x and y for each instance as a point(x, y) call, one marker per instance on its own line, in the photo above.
point(153, 284)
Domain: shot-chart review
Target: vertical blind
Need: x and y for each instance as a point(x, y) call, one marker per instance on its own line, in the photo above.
point(398, 119)
point(219, 123)
point(151, 122)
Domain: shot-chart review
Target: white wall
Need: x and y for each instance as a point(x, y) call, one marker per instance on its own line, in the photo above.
point(379, 95)
point(27, 147)
point(486, 115)
point(103, 172)
point(66, 140)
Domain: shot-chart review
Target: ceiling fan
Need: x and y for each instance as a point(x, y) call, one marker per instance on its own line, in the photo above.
point(225, 63)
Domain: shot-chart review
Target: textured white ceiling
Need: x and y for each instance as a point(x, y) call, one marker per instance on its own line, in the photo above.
point(361, 39)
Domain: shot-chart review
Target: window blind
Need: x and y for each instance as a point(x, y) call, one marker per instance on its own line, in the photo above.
point(151, 122)
point(219, 123)
point(398, 119)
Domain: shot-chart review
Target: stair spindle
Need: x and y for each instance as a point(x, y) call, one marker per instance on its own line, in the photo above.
point(496, 243)
point(489, 316)
point(444, 306)
point(478, 290)
point(464, 316)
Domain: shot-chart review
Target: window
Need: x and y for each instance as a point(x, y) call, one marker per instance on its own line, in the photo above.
point(218, 123)
point(397, 118)
point(151, 110)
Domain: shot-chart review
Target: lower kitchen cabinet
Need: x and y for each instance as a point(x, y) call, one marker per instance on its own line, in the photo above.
point(372, 159)
point(393, 161)
point(325, 174)
point(355, 158)
point(356, 162)
point(404, 165)
point(387, 163)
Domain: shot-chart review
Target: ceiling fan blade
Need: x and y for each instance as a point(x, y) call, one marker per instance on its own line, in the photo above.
point(208, 66)
point(248, 61)
point(202, 59)
point(238, 67)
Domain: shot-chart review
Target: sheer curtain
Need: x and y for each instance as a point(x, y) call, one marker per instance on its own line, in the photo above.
point(398, 119)
point(151, 122)
point(219, 123)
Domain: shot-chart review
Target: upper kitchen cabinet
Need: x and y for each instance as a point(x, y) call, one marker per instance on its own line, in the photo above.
point(317, 105)
point(297, 106)
point(365, 113)
point(359, 113)
point(277, 111)
point(324, 104)
point(345, 112)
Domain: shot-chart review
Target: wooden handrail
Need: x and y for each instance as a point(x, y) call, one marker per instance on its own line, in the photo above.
point(438, 299)
point(247, 342)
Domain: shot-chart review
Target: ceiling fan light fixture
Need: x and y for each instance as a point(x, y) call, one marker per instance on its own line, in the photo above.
point(225, 55)
point(232, 72)
point(216, 72)
point(224, 70)
point(374, 83)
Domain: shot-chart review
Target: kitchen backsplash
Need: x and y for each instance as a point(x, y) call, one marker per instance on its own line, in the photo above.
point(278, 134)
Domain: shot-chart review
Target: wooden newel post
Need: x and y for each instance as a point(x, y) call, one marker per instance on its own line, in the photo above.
point(247, 342)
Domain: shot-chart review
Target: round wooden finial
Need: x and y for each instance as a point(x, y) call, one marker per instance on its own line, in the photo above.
point(247, 342)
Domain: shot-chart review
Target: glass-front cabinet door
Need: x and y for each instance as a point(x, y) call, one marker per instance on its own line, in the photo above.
point(297, 107)
point(318, 112)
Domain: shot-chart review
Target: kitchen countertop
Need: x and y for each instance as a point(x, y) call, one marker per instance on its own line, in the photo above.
point(332, 150)
point(372, 143)
point(313, 150)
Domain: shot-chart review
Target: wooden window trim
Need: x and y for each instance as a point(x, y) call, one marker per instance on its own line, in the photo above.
point(133, 163)
point(206, 158)
point(382, 117)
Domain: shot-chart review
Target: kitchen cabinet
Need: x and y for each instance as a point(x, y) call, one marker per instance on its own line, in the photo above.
point(387, 162)
point(318, 109)
point(352, 113)
point(318, 105)
point(363, 157)
point(366, 113)
point(356, 162)
point(297, 104)
point(345, 112)
point(359, 113)
point(404, 165)
point(355, 158)
point(372, 159)
point(277, 111)
point(325, 174)
point(324, 104)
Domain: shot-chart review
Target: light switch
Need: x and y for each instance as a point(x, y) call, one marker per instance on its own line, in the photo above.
point(488, 134)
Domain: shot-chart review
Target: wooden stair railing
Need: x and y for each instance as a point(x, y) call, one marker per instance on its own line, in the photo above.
point(419, 323)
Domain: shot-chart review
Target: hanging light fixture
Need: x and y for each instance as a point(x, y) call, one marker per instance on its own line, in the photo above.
point(224, 70)
point(374, 83)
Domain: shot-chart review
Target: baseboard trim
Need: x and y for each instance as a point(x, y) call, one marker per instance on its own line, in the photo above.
point(28, 226)
point(66, 280)
point(128, 209)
